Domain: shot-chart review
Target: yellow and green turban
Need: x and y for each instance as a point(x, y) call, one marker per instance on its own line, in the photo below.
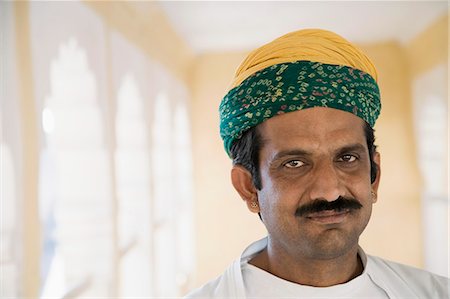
point(300, 70)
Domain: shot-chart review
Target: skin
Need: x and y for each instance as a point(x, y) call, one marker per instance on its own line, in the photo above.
point(316, 153)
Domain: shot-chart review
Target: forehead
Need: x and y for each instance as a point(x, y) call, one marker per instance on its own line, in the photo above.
point(316, 128)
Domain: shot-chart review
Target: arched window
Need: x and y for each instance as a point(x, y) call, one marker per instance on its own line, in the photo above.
point(431, 118)
point(75, 183)
point(183, 195)
point(153, 176)
point(172, 168)
point(164, 208)
point(133, 192)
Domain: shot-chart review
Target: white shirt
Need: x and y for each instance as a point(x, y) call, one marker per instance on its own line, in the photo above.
point(380, 278)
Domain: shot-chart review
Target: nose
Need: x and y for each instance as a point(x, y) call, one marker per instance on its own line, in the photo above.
point(325, 182)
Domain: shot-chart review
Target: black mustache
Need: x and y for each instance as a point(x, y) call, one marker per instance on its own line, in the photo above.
point(320, 205)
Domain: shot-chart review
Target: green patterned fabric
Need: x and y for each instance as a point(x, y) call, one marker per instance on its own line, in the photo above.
point(289, 87)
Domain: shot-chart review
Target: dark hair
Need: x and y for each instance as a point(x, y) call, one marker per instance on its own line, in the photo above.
point(245, 152)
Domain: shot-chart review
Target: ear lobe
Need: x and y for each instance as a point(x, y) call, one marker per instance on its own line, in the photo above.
point(376, 183)
point(242, 181)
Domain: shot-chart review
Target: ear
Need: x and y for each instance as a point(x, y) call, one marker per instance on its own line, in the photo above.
point(375, 184)
point(242, 181)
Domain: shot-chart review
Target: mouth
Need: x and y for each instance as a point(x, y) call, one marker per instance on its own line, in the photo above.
point(329, 216)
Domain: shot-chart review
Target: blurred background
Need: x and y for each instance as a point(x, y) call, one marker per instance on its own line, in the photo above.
point(114, 181)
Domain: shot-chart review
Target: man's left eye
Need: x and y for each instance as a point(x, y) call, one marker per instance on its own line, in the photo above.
point(348, 158)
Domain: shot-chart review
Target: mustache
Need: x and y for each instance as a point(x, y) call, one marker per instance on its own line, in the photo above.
point(320, 205)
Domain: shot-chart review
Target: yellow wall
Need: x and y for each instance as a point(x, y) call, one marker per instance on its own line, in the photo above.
point(429, 48)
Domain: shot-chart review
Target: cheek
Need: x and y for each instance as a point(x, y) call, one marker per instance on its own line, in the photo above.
point(365, 217)
point(283, 191)
point(278, 197)
point(360, 188)
point(268, 196)
point(272, 188)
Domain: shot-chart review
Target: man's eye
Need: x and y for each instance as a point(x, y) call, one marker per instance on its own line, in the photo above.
point(348, 158)
point(294, 164)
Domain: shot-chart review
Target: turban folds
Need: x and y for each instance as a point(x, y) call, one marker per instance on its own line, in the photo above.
point(303, 69)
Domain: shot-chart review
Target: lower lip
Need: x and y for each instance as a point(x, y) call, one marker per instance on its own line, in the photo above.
point(329, 217)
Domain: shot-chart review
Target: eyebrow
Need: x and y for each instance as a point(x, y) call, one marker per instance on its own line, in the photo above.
point(293, 152)
point(357, 147)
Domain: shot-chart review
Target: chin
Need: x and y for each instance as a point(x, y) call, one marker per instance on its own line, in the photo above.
point(333, 245)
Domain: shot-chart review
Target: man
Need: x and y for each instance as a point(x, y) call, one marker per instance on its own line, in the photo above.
point(298, 124)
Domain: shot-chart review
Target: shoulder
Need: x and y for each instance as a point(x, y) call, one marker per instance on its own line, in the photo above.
point(206, 291)
point(230, 284)
point(422, 283)
point(227, 285)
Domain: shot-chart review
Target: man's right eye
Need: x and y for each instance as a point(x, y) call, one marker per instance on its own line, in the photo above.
point(294, 164)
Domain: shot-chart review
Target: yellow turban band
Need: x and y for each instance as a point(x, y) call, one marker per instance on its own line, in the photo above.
point(314, 45)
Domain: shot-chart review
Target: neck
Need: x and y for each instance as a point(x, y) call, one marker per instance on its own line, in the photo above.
point(309, 271)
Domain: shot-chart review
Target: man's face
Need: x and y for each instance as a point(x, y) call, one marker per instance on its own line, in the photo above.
point(311, 155)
